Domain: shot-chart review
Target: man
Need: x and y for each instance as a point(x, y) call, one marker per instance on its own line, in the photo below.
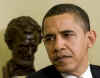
point(23, 35)
point(67, 38)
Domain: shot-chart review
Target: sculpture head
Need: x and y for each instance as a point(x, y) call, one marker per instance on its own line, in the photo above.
point(23, 35)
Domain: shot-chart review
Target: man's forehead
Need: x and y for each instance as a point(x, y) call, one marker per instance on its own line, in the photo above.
point(67, 31)
point(60, 23)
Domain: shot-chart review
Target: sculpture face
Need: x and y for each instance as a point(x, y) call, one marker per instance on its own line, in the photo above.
point(25, 44)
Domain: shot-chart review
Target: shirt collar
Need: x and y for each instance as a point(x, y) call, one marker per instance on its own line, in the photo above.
point(86, 74)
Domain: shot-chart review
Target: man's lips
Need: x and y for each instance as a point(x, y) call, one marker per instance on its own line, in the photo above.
point(59, 60)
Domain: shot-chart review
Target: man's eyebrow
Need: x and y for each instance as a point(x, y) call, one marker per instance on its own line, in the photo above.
point(67, 31)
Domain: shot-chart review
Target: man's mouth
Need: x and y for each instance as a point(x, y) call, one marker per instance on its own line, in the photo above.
point(60, 60)
point(62, 57)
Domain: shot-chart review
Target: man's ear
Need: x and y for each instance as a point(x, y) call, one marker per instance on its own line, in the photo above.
point(91, 38)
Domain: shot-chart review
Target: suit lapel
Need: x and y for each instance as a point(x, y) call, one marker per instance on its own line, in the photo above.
point(51, 72)
point(95, 70)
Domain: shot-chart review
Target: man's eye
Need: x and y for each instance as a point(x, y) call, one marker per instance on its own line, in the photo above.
point(49, 39)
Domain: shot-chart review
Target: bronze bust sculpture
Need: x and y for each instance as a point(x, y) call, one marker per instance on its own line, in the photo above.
point(23, 35)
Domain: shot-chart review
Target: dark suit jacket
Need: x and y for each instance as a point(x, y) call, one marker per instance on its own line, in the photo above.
point(51, 72)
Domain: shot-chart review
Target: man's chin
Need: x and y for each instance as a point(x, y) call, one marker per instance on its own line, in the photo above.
point(64, 65)
point(64, 68)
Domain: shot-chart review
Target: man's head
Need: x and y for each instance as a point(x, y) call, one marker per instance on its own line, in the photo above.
point(23, 35)
point(67, 37)
point(78, 13)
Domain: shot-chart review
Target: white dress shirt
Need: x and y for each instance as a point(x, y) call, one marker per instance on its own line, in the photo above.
point(86, 74)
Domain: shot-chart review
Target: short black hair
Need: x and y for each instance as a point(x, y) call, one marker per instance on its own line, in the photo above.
point(68, 8)
point(19, 24)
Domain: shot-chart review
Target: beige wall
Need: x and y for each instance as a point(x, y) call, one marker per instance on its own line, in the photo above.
point(37, 8)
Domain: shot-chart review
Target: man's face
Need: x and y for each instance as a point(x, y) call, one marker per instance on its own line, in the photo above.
point(66, 42)
point(25, 45)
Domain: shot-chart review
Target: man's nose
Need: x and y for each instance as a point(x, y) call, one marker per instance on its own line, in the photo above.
point(59, 44)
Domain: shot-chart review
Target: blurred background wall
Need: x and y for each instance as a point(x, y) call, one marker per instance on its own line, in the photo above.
point(10, 9)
